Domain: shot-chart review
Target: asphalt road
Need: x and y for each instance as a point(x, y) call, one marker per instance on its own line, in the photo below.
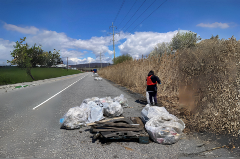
point(30, 124)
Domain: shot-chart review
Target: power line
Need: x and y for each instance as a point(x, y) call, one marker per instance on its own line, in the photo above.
point(119, 11)
point(149, 15)
point(127, 13)
point(134, 13)
point(141, 14)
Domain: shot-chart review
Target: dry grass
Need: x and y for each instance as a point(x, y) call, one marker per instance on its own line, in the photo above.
point(199, 85)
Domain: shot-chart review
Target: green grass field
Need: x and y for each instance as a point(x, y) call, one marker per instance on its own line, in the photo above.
point(11, 75)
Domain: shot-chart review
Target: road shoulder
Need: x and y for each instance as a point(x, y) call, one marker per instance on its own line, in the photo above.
point(195, 144)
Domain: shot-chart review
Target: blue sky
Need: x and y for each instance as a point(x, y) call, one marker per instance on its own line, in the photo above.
point(80, 28)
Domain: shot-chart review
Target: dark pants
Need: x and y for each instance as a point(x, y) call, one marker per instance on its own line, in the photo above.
point(153, 94)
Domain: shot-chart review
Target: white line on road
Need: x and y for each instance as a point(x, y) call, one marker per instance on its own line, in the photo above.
point(57, 93)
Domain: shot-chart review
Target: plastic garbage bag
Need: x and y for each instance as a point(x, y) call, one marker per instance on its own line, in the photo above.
point(122, 100)
point(152, 111)
point(74, 118)
point(77, 117)
point(86, 108)
point(91, 110)
point(112, 109)
point(93, 99)
point(96, 112)
point(95, 75)
point(147, 96)
point(106, 100)
point(165, 129)
point(105, 105)
point(87, 100)
point(98, 78)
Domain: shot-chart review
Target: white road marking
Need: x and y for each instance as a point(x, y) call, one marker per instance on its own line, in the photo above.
point(57, 93)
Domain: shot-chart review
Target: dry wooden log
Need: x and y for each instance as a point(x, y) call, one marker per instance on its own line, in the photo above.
point(102, 121)
point(117, 129)
point(116, 125)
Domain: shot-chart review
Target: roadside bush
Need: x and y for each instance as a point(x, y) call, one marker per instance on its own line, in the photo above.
point(160, 49)
point(122, 58)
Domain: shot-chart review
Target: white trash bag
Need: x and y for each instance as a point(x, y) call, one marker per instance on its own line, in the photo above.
point(165, 129)
point(106, 100)
point(96, 112)
point(95, 75)
point(152, 111)
point(91, 110)
point(98, 78)
point(75, 118)
point(93, 99)
point(112, 109)
point(122, 100)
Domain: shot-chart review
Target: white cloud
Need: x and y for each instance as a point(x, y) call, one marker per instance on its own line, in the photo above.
point(214, 25)
point(73, 61)
point(79, 50)
point(53, 40)
point(60, 41)
point(142, 43)
point(95, 44)
point(49, 40)
point(5, 47)
point(71, 53)
point(25, 30)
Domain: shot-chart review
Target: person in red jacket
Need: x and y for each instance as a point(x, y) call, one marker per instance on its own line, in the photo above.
point(152, 81)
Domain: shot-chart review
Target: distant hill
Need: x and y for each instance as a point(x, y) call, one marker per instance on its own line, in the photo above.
point(92, 65)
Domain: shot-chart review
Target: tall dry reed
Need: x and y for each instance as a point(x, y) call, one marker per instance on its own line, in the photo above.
point(201, 84)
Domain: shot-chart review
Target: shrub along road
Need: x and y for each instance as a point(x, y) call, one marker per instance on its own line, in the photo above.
point(30, 125)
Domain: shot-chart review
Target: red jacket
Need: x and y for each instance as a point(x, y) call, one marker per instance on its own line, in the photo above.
point(149, 81)
point(152, 81)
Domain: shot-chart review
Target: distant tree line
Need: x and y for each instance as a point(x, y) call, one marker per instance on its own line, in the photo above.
point(27, 57)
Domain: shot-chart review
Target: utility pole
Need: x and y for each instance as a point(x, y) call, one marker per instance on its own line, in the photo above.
point(67, 63)
point(113, 40)
point(100, 58)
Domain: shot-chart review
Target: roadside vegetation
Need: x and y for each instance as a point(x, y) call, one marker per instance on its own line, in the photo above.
point(122, 58)
point(12, 74)
point(200, 81)
point(26, 57)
